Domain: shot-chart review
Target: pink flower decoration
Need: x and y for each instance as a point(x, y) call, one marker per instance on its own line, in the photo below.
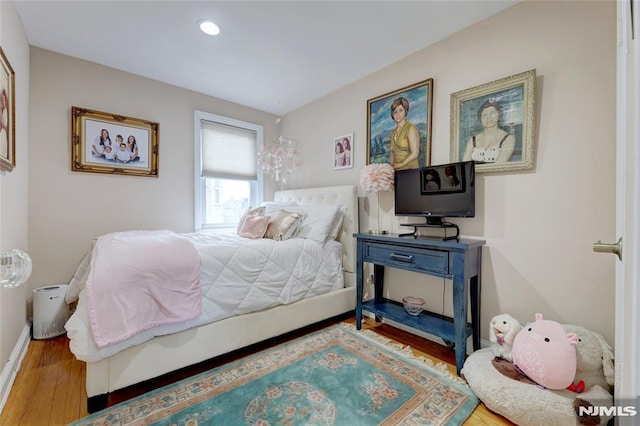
point(377, 177)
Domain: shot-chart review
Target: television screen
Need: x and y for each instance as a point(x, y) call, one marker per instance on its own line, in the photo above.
point(435, 192)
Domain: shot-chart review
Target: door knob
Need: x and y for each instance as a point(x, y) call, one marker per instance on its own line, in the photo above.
point(616, 248)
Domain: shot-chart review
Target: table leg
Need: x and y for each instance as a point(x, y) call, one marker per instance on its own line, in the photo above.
point(359, 283)
point(378, 285)
point(460, 320)
point(474, 284)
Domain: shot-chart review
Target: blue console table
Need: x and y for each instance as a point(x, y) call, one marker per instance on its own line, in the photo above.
point(458, 260)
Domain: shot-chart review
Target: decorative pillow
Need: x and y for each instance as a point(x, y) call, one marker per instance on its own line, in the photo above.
point(320, 221)
point(254, 226)
point(251, 211)
point(282, 225)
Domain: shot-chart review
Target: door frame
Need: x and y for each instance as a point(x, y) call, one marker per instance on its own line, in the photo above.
point(627, 292)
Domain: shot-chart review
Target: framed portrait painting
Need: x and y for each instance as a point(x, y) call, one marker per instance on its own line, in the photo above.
point(102, 142)
point(493, 124)
point(8, 108)
point(399, 126)
point(343, 152)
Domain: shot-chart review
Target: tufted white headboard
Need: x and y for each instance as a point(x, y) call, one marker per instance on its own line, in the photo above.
point(347, 195)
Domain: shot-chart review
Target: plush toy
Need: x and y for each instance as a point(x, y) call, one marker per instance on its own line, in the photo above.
point(546, 353)
point(594, 358)
point(502, 331)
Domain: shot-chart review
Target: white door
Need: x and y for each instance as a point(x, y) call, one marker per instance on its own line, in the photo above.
point(627, 299)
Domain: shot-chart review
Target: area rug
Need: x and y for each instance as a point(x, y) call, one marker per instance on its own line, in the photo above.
point(335, 376)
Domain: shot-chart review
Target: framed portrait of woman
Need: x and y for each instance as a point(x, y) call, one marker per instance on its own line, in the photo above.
point(399, 126)
point(8, 110)
point(493, 124)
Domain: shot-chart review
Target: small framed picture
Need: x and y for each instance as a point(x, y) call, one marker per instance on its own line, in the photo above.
point(493, 124)
point(8, 109)
point(343, 152)
point(109, 143)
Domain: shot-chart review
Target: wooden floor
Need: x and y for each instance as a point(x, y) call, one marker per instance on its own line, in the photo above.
point(50, 389)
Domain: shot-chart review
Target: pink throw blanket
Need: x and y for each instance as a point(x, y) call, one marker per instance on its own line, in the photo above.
point(139, 280)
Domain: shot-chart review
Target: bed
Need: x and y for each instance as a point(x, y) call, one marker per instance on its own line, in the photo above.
point(165, 353)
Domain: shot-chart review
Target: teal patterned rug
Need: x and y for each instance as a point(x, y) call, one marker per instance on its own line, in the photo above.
point(336, 376)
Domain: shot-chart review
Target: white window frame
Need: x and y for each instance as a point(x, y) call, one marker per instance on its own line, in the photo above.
point(256, 186)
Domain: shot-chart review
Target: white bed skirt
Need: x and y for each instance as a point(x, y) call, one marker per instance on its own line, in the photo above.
point(174, 351)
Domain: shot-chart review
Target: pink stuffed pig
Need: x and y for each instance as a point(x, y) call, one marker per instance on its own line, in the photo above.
point(546, 353)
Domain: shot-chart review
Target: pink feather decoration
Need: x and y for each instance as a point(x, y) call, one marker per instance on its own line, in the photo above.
point(377, 177)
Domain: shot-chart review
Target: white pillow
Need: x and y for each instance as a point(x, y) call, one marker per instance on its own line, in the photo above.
point(273, 207)
point(318, 222)
point(337, 225)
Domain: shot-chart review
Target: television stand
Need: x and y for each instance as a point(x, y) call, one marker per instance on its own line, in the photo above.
point(433, 223)
point(459, 262)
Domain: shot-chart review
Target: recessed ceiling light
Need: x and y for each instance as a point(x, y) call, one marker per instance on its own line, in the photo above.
point(209, 27)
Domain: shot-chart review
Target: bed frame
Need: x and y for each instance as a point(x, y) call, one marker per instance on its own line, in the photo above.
point(164, 354)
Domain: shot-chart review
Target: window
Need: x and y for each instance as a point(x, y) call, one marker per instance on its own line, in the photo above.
point(228, 178)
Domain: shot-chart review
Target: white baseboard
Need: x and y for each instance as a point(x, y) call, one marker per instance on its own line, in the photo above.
point(10, 370)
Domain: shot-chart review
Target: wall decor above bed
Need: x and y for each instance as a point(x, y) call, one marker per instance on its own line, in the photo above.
point(399, 126)
point(343, 152)
point(493, 124)
point(102, 142)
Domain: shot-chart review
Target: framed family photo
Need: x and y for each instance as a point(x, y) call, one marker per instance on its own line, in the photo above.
point(102, 142)
point(399, 126)
point(343, 152)
point(8, 109)
point(493, 124)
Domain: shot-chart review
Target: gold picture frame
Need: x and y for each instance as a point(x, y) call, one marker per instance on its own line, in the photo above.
point(493, 124)
point(8, 111)
point(102, 142)
point(418, 98)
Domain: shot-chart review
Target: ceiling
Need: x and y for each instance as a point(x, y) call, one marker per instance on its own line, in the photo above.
point(274, 56)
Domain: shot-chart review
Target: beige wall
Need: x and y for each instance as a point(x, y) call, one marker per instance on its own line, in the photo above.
point(539, 225)
point(13, 185)
point(68, 209)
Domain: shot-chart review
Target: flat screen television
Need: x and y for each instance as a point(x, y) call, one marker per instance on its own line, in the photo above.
point(436, 192)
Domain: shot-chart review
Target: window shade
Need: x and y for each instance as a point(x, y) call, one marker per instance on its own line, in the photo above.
point(228, 152)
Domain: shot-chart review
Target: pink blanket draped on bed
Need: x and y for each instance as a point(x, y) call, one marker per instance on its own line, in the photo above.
point(139, 280)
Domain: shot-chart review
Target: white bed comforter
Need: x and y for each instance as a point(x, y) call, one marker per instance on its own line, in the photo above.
point(238, 276)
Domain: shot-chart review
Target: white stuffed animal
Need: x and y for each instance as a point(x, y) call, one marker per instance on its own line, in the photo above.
point(595, 364)
point(594, 369)
point(502, 330)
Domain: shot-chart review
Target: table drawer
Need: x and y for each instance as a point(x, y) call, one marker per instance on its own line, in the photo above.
point(407, 257)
